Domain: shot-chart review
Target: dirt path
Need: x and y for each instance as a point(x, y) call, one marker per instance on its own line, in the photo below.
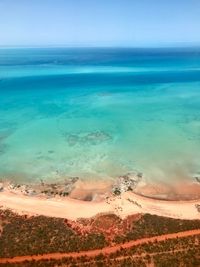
point(136, 256)
point(106, 250)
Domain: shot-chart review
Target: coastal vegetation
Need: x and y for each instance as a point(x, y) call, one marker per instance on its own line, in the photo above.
point(170, 252)
point(33, 235)
point(153, 225)
point(22, 235)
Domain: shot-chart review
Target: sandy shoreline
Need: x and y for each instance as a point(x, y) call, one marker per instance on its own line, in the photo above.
point(126, 204)
point(129, 195)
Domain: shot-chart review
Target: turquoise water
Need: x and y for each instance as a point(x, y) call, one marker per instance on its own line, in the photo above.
point(99, 113)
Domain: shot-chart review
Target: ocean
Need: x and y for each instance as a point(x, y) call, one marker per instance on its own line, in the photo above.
point(98, 113)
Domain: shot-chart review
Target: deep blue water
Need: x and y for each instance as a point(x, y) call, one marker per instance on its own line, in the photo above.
point(99, 113)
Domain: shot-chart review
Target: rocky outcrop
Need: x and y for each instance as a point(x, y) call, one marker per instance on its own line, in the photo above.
point(127, 182)
point(62, 188)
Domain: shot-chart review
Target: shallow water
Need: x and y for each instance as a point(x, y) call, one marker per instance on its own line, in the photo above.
point(99, 113)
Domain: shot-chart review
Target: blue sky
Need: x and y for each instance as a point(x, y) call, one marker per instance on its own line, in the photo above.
point(99, 22)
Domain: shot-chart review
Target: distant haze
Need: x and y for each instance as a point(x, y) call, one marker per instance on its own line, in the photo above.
point(99, 23)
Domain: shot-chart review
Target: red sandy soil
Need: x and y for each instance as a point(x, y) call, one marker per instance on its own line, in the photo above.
point(109, 224)
point(106, 250)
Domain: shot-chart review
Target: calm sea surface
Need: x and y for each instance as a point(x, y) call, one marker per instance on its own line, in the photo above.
point(99, 113)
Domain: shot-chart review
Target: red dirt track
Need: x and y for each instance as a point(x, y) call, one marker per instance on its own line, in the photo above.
point(106, 250)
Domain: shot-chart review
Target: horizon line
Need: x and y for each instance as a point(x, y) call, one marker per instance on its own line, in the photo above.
point(103, 46)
